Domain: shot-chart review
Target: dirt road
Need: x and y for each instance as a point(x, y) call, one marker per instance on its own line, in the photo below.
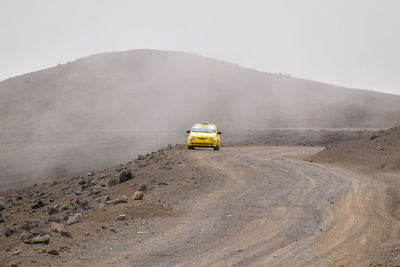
point(263, 207)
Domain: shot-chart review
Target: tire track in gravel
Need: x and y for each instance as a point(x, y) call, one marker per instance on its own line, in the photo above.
point(267, 209)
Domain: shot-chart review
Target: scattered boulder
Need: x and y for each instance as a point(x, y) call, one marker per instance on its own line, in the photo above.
point(25, 235)
point(45, 239)
point(2, 204)
point(119, 200)
point(125, 176)
point(138, 195)
point(52, 209)
point(40, 203)
point(121, 217)
point(143, 188)
point(53, 252)
point(84, 203)
point(9, 232)
point(26, 226)
point(97, 190)
point(1, 218)
point(112, 182)
point(82, 182)
point(76, 218)
point(379, 148)
point(374, 136)
point(75, 202)
point(59, 228)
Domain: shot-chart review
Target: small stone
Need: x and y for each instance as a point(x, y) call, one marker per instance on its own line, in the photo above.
point(143, 188)
point(138, 195)
point(125, 176)
point(38, 240)
point(97, 190)
point(120, 200)
point(374, 136)
point(40, 203)
point(76, 218)
point(81, 182)
point(53, 252)
point(121, 217)
point(25, 235)
point(2, 204)
point(84, 203)
point(112, 182)
point(75, 202)
point(9, 232)
point(52, 209)
point(57, 227)
point(1, 218)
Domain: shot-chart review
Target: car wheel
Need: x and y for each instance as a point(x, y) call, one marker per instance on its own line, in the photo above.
point(191, 147)
point(216, 148)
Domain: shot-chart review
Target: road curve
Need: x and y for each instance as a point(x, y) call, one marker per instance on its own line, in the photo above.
point(270, 209)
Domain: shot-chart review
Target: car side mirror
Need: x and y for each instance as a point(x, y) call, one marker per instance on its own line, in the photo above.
point(188, 131)
point(219, 132)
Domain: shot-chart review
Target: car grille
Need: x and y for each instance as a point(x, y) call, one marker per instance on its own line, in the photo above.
point(202, 138)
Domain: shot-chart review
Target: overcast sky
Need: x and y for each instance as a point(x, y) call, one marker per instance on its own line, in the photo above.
point(353, 43)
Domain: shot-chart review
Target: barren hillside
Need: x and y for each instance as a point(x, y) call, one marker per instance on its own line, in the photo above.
point(378, 151)
point(156, 89)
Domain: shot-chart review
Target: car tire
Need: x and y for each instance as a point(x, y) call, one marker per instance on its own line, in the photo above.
point(191, 147)
point(216, 148)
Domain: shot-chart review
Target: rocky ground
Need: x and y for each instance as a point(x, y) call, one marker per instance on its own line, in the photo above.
point(379, 151)
point(244, 205)
point(50, 222)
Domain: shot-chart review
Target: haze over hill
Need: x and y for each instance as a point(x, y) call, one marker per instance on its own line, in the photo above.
point(156, 89)
point(107, 108)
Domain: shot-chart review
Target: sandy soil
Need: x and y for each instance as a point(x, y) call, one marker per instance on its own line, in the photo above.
point(244, 205)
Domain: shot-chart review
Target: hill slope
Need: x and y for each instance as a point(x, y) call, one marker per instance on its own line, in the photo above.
point(157, 89)
point(380, 151)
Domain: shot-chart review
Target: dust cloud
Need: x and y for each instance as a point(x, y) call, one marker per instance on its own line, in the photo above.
point(108, 108)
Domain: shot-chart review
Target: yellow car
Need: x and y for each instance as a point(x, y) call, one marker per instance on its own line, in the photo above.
point(204, 135)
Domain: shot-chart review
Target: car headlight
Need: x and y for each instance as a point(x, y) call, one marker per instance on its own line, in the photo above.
point(212, 138)
point(192, 137)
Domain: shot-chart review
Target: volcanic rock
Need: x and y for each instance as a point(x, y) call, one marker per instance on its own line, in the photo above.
point(38, 240)
point(53, 252)
point(120, 200)
point(76, 218)
point(8, 232)
point(113, 182)
point(143, 188)
point(138, 195)
point(121, 217)
point(52, 209)
point(40, 203)
point(2, 204)
point(125, 176)
point(59, 228)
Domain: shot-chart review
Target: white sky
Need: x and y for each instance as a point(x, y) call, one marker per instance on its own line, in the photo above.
point(353, 43)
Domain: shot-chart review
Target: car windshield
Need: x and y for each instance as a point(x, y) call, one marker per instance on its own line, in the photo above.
point(203, 129)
